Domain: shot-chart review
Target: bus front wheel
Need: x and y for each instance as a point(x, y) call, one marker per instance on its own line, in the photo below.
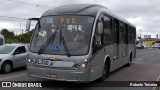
point(104, 72)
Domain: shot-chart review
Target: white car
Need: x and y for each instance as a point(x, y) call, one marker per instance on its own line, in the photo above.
point(155, 46)
point(12, 56)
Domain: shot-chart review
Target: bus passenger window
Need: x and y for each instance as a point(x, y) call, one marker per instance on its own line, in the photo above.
point(107, 31)
point(122, 32)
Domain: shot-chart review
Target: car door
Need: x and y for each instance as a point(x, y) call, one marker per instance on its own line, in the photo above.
point(19, 56)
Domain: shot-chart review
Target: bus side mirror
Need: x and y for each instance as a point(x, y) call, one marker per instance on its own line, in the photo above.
point(28, 25)
point(98, 43)
point(100, 28)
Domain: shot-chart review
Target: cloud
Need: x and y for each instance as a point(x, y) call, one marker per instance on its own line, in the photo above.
point(144, 14)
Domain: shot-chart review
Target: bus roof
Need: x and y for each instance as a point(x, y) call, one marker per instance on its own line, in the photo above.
point(82, 9)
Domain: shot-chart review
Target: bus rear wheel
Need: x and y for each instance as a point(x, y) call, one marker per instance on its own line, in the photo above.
point(129, 61)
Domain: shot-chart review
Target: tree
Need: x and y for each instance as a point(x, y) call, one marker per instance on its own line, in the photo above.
point(26, 37)
point(8, 35)
point(11, 38)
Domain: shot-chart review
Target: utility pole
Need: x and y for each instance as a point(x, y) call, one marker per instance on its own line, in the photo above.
point(140, 39)
point(20, 32)
point(140, 33)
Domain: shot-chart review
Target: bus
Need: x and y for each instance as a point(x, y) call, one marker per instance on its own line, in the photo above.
point(2, 41)
point(79, 42)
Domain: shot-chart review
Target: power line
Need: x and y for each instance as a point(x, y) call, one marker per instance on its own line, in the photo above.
point(37, 5)
point(12, 18)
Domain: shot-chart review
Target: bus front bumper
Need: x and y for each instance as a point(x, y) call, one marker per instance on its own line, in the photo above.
point(59, 74)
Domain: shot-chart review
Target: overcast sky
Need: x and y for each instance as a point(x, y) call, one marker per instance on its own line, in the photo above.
point(144, 14)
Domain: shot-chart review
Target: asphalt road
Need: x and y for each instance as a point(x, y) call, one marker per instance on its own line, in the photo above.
point(145, 67)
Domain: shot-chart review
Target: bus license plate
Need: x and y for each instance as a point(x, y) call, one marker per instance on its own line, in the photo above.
point(51, 75)
point(42, 62)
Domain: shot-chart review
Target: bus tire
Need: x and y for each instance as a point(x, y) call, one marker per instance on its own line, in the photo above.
point(104, 72)
point(129, 61)
point(6, 67)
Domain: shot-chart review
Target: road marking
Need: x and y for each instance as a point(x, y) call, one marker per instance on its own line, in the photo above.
point(12, 77)
point(140, 59)
point(158, 79)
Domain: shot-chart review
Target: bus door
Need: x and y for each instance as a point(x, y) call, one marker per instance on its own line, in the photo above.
point(126, 40)
point(108, 36)
point(116, 39)
point(122, 44)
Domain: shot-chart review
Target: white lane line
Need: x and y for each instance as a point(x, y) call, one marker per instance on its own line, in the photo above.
point(140, 59)
point(12, 77)
point(158, 79)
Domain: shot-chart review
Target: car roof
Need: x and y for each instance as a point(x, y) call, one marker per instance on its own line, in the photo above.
point(15, 45)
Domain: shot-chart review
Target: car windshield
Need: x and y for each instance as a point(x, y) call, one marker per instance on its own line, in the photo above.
point(5, 49)
point(72, 35)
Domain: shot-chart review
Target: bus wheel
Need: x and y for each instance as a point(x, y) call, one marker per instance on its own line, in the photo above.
point(6, 67)
point(104, 73)
point(129, 61)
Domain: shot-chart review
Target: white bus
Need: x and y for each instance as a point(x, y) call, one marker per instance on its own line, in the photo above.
point(2, 41)
point(80, 42)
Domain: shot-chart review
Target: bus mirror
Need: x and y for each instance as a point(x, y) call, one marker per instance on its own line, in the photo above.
point(98, 43)
point(100, 28)
point(28, 25)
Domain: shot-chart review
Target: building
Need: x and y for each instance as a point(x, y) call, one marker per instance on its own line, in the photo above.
point(149, 41)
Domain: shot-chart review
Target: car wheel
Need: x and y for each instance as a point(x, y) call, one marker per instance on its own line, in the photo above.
point(6, 67)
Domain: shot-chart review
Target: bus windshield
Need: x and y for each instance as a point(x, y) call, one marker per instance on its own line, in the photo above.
point(71, 35)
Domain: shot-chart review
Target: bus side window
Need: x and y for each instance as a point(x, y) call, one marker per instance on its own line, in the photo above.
point(131, 35)
point(107, 36)
point(126, 34)
point(122, 32)
point(116, 30)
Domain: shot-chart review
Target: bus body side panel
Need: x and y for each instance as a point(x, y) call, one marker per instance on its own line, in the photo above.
point(131, 49)
point(97, 65)
point(114, 61)
point(99, 60)
point(121, 60)
point(122, 57)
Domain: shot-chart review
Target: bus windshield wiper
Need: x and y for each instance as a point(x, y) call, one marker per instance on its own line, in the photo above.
point(64, 44)
point(44, 46)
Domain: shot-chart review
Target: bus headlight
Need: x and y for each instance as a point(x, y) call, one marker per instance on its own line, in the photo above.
point(82, 65)
point(30, 61)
